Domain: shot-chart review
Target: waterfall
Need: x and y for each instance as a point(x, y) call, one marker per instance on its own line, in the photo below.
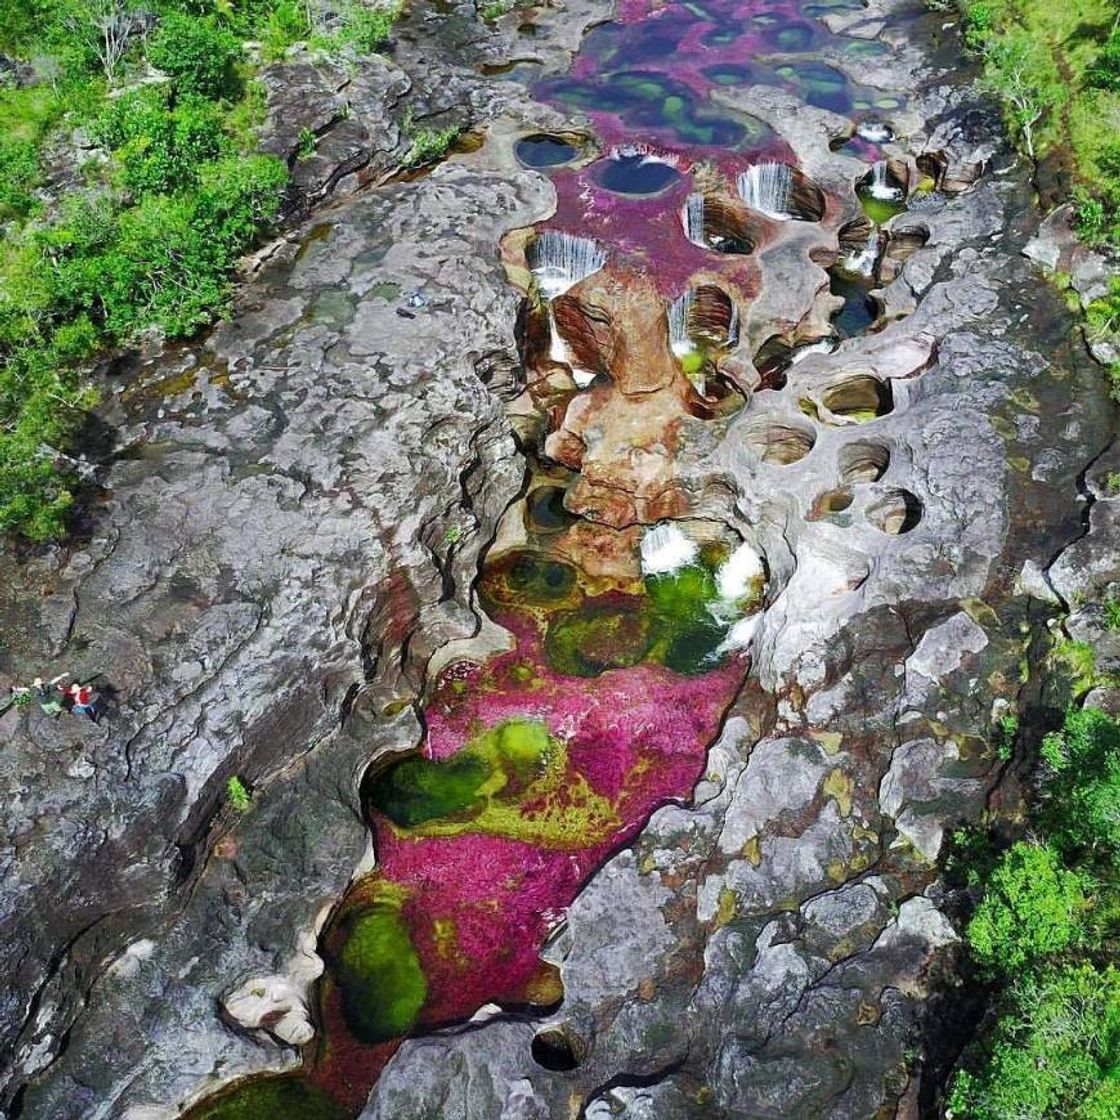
point(875, 132)
point(741, 574)
point(665, 548)
point(880, 186)
point(766, 187)
point(680, 311)
point(560, 351)
point(862, 261)
point(692, 217)
point(561, 260)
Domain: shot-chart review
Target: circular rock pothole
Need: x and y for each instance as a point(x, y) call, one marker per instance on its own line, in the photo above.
point(896, 512)
point(863, 462)
point(557, 1049)
point(831, 502)
point(541, 151)
point(781, 442)
point(858, 399)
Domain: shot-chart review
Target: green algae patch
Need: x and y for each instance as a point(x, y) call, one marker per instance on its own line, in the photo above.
point(377, 970)
point(686, 634)
point(269, 1098)
point(595, 638)
point(677, 623)
point(499, 764)
point(512, 780)
point(881, 210)
point(416, 789)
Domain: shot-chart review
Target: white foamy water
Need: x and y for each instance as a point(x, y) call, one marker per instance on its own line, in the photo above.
point(692, 218)
point(742, 634)
point(739, 575)
point(875, 132)
point(880, 186)
point(679, 311)
point(561, 260)
point(766, 187)
point(666, 549)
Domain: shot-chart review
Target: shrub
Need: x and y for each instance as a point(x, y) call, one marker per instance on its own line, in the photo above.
point(1105, 71)
point(430, 145)
point(19, 172)
point(238, 795)
point(367, 28)
point(1082, 807)
point(198, 54)
point(1092, 222)
point(1031, 908)
point(979, 26)
point(1103, 314)
point(1055, 1052)
point(160, 149)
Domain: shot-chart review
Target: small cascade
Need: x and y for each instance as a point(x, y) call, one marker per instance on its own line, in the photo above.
point(875, 132)
point(733, 327)
point(680, 312)
point(861, 262)
point(692, 218)
point(766, 187)
point(879, 185)
point(560, 351)
point(561, 260)
point(666, 549)
point(741, 575)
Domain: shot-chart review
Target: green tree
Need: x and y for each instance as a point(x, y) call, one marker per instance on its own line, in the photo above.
point(1020, 70)
point(199, 54)
point(1032, 908)
point(1054, 1052)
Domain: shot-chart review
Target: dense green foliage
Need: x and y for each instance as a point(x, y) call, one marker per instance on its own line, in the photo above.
point(1031, 907)
point(1055, 1053)
point(148, 236)
point(1055, 69)
point(1044, 928)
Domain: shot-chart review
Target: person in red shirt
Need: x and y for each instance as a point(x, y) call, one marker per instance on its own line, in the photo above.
point(84, 701)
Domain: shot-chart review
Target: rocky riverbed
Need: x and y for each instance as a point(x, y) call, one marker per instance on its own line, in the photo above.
point(311, 514)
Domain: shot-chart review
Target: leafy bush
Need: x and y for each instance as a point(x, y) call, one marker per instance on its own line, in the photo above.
point(1105, 71)
point(367, 28)
point(238, 795)
point(979, 26)
point(160, 149)
point(1103, 314)
point(1055, 1052)
point(1092, 220)
point(286, 24)
point(430, 145)
point(19, 172)
point(1082, 808)
point(198, 54)
point(1031, 908)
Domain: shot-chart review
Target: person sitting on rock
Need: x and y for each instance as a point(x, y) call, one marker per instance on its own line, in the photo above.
point(45, 692)
point(84, 700)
